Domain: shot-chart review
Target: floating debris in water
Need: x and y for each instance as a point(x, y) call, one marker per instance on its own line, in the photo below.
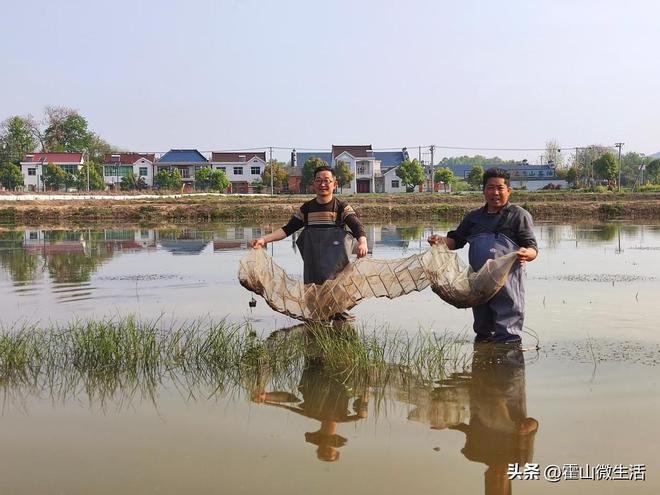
point(144, 277)
point(605, 351)
point(598, 277)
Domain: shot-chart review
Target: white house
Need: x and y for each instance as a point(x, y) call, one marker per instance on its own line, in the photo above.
point(364, 166)
point(33, 165)
point(392, 183)
point(240, 168)
point(118, 165)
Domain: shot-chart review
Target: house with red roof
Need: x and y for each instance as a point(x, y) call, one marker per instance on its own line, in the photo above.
point(118, 165)
point(241, 169)
point(33, 164)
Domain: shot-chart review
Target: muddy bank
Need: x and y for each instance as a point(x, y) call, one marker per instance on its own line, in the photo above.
point(544, 207)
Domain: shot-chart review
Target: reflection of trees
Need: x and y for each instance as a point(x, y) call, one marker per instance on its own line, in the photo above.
point(72, 267)
point(21, 265)
point(411, 233)
point(552, 234)
point(602, 232)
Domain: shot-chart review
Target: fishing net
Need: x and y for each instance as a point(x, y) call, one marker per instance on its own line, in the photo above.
point(437, 267)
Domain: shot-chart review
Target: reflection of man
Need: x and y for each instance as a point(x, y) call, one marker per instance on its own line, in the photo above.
point(326, 400)
point(499, 432)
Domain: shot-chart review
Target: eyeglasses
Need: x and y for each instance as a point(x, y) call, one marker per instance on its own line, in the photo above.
point(323, 181)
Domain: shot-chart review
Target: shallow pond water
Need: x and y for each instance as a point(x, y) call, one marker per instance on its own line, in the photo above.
point(588, 398)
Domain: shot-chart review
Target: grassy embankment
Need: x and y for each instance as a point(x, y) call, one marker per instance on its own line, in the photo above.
point(545, 206)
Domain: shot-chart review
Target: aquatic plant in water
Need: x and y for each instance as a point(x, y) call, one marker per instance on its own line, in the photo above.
point(120, 359)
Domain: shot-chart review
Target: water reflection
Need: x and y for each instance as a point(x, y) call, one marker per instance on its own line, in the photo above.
point(154, 270)
point(499, 431)
point(325, 399)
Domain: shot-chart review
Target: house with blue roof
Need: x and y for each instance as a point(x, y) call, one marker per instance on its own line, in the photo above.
point(186, 161)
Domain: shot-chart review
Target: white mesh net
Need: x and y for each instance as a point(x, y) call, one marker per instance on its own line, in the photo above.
point(438, 267)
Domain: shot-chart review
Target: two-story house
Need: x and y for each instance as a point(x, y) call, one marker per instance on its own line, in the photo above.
point(364, 166)
point(373, 171)
point(32, 167)
point(186, 161)
point(241, 169)
point(118, 165)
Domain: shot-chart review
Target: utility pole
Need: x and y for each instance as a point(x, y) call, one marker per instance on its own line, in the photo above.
point(619, 145)
point(432, 169)
point(86, 162)
point(272, 172)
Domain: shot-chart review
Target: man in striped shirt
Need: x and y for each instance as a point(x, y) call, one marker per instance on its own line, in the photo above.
point(322, 242)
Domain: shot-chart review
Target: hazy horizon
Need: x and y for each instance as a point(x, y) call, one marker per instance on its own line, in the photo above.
point(151, 76)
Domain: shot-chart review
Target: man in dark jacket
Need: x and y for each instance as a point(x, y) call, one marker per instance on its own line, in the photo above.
point(493, 230)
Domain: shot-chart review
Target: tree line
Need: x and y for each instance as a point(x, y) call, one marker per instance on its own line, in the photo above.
point(63, 129)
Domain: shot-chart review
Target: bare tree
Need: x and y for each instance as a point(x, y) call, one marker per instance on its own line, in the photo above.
point(553, 153)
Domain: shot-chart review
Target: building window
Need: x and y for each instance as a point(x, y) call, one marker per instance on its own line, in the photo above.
point(241, 158)
point(395, 183)
point(32, 171)
point(238, 170)
point(144, 171)
point(223, 169)
point(361, 168)
point(185, 173)
point(69, 169)
point(255, 170)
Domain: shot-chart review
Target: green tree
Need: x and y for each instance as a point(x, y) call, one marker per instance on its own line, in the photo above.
point(128, 182)
point(473, 160)
point(219, 181)
point(572, 176)
point(653, 171)
point(203, 178)
point(308, 171)
point(66, 130)
point(280, 177)
point(411, 174)
point(630, 163)
point(475, 177)
point(257, 186)
point(344, 174)
point(444, 175)
point(53, 177)
point(606, 167)
point(96, 182)
point(168, 180)
point(10, 176)
point(209, 179)
point(16, 139)
point(97, 148)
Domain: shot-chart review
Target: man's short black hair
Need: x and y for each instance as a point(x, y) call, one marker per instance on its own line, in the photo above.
point(324, 168)
point(497, 173)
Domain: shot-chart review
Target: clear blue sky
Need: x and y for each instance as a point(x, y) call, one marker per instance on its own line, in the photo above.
point(153, 75)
